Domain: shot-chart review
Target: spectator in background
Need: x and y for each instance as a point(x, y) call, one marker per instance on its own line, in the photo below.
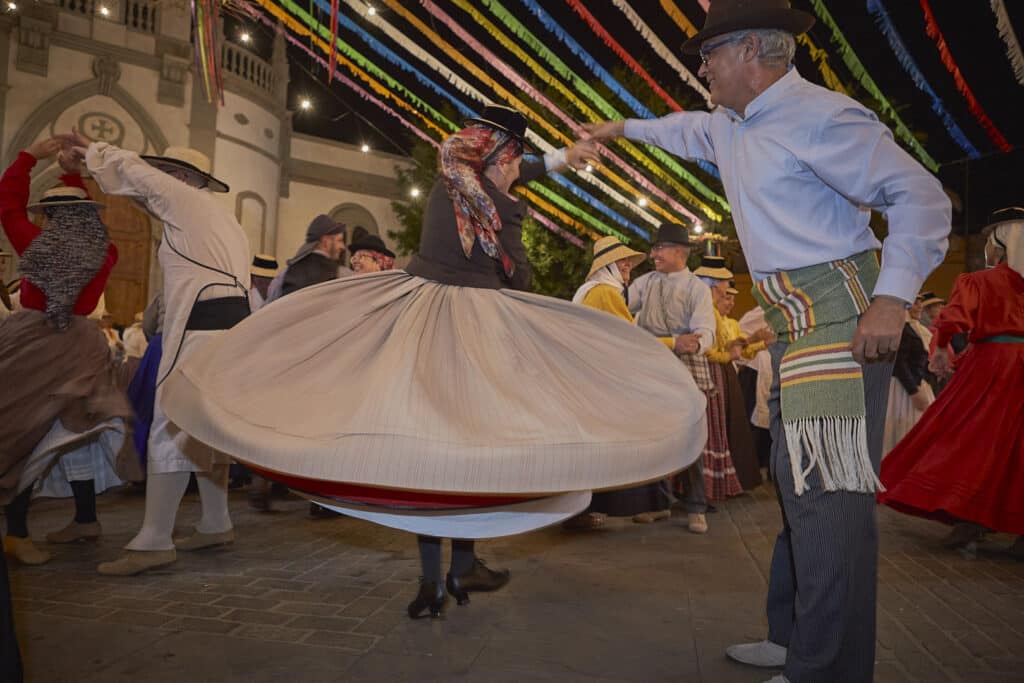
point(318, 259)
point(263, 271)
point(370, 255)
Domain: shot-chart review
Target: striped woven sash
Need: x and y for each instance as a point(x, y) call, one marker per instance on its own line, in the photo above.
point(815, 309)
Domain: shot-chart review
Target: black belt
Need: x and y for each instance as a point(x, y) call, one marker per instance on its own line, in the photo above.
point(218, 314)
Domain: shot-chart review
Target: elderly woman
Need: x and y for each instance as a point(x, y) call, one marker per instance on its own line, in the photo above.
point(472, 409)
point(963, 462)
point(370, 255)
point(59, 393)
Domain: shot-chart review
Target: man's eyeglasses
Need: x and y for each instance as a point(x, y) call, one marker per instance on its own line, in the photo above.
point(705, 52)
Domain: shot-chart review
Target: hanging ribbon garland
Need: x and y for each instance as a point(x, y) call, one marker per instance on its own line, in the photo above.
point(1009, 36)
point(676, 14)
point(932, 29)
point(333, 58)
point(661, 50)
point(293, 25)
point(855, 66)
point(634, 66)
point(888, 29)
point(607, 79)
point(449, 50)
point(207, 59)
point(549, 79)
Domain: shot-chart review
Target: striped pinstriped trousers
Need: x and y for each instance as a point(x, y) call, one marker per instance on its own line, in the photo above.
point(824, 572)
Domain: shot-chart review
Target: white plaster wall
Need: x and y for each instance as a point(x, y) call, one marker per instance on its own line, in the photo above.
point(255, 131)
point(306, 201)
point(245, 170)
point(343, 155)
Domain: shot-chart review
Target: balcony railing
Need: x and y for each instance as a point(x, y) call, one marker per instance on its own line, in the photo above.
point(247, 66)
point(140, 15)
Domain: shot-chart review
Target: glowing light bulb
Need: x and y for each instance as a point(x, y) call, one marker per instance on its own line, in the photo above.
point(414, 192)
point(698, 228)
point(104, 11)
point(642, 201)
point(245, 38)
point(305, 104)
point(12, 7)
point(589, 168)
point(364, 148)
point(371, 10)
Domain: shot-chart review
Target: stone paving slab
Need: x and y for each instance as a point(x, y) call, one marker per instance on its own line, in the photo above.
point(323, 600)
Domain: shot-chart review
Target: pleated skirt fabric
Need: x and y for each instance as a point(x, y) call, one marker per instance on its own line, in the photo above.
point(399, 382)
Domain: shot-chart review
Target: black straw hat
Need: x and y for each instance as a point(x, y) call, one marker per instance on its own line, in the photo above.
point(672, 233)
point(726, 16)
point(504, 119)
point(370, 242)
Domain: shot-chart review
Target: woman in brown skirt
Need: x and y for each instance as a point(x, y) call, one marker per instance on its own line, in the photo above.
point(59, 384)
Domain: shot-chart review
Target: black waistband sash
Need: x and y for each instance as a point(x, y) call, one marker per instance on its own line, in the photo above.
point(218, 314)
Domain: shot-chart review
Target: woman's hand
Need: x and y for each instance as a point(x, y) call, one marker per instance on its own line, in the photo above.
point(44, 149)
point(941, 364)
point(605, 130)
point(582, 153)
point(920, 399)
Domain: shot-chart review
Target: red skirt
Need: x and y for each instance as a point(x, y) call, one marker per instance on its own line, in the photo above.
point(964, 460)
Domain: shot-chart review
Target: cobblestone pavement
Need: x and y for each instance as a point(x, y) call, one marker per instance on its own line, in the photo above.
point(296, 599)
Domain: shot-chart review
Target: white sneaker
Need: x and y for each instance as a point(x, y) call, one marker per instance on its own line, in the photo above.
point(764, 654)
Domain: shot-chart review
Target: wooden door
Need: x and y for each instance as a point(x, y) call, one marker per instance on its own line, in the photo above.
point(130, 229)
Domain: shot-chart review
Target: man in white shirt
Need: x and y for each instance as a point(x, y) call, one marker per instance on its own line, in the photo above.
point(801, 166)
point(672, 302)
point(204, 256)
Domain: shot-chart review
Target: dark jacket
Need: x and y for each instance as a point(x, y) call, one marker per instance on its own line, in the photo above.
point(310, 270)
point(441, 257)
point(911, 361)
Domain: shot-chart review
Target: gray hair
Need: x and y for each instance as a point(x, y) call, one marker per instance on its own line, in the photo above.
point(777, 47)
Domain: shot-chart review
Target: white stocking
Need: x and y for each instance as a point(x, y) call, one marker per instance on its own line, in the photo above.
point(163, 496)
point(213, 495)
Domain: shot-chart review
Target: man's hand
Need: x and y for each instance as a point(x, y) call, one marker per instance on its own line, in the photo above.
point(941, 364)
point(605, 130)
point(44, 149)
point(879, 330)
point(582, 153)
point(687, 343)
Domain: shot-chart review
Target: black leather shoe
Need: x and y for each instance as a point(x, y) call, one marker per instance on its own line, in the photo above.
point(479, 579)
point(431, 597)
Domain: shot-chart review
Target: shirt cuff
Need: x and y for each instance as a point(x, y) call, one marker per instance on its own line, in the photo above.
point(631, 128)
point(554, 160)
point(901, 283)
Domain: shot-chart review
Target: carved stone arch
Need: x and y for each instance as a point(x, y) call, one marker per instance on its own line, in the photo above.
point(251, 214)
point(353, 215)
point(52, 108)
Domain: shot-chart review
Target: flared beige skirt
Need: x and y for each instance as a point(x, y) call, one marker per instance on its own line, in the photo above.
point(390, 380)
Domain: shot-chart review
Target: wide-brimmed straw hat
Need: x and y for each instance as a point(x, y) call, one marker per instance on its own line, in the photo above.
point(263, 265)
point(713, 267)
point(504, 119)
point(608, 250)
point(191, 160)
point(63, 196)
point(726, 16)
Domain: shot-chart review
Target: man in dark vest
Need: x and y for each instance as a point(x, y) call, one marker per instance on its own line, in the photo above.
point(317, 260)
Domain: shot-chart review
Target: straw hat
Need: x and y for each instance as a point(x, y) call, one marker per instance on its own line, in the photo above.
point(188, 159)
point(608, 250)
point(63, 196)
point(713, 267)
point(264, 265)
point(929, 298)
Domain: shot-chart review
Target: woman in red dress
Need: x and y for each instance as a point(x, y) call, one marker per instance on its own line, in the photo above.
point(963, 463)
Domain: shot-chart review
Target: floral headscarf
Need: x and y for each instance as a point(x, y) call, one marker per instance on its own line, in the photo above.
point(462, 158)
point(384, 261)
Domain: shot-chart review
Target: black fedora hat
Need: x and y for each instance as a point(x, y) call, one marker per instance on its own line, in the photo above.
point(504, 119)
point(726, 16)
point(370, 242)
point(672, 233)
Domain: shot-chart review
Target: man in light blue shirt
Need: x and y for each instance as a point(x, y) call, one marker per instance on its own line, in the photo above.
point(802, 166)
